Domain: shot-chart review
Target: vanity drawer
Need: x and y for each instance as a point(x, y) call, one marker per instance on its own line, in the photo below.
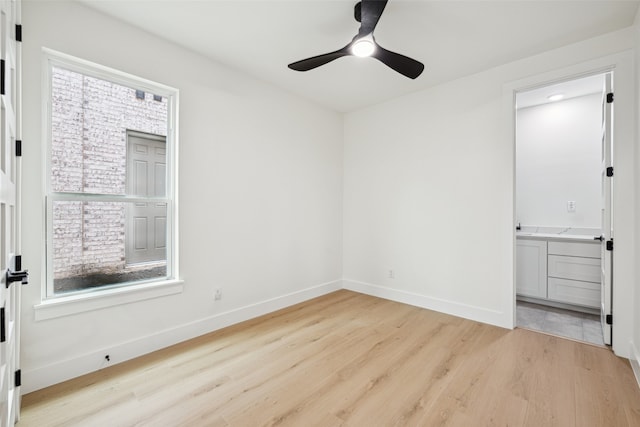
point(574, 268)
point(574, 292)
point(582, 249)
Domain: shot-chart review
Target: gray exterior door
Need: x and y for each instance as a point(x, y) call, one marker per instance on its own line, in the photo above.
point(146, 225)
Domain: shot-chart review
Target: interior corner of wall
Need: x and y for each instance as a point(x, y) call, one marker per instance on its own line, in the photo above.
point(634, 359)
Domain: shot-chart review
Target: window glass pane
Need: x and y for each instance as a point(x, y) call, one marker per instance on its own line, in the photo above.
point(108, 140)
point(93, 122)
point(97, 244)
point(146, 165)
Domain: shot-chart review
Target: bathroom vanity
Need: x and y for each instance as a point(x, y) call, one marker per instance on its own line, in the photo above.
point(559, 266)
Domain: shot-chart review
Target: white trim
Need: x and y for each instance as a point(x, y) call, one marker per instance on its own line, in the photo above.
point(47, 258)
point(92, 69)
point(93, 197)
point(50, 59)
point(79, 303)
point(45, 376)
point(621, 64)
point(634, 359)
point(479, 314)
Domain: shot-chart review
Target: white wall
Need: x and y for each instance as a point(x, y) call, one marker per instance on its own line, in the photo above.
point(635, 342)
point(558, 157)
point(429, 190)
point(260, 197)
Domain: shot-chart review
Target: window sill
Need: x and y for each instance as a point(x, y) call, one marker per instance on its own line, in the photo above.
point(74, 304)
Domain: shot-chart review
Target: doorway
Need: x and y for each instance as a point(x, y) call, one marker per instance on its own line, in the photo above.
point(563, 208)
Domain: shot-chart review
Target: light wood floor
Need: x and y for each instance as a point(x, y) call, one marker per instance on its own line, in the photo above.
point(353, 360)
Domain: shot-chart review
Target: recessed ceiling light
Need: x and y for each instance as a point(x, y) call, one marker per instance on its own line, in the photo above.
point(555, 97)
point(363, 48)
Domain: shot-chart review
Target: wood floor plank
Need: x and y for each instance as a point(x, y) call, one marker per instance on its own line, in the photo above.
point(596, 400)
point(347, 359)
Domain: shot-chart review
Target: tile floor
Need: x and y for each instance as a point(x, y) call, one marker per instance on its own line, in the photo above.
point(556, 321)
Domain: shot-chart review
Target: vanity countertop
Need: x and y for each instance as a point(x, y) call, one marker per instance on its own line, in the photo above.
point(559, 233)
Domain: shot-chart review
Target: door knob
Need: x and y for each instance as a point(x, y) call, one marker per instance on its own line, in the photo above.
point(16, 276)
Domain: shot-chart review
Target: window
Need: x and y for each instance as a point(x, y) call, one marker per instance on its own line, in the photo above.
point(111, 184)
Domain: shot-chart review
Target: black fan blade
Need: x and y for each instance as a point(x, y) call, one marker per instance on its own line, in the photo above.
point(316, 61)
point(370, 12)
point(402, 64)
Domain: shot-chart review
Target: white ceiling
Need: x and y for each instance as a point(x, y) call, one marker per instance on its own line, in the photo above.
point(452, 38)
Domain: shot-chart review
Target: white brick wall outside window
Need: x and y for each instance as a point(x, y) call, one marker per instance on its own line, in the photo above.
point(92, 111)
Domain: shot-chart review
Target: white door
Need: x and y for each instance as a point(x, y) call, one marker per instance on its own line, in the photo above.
point(146, 236)
point(10, 285)
point(606, 270)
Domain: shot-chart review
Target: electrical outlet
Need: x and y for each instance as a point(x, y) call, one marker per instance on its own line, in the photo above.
point(392, 274)
point(571, 206)
point(217, 295)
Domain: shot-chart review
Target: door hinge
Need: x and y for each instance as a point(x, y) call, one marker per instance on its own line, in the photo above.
point(610, 245)
point(18, 148)
point(609, 319)
point(610, 98)
point(18, 378)
point(3, 331)
point(610, 171)
point(18, 32)
point(1, 76)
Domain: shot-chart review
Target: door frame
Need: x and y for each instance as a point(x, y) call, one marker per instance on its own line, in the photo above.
point(10, 221)
point(624, 130)
point(607, 185)
point(604, 266)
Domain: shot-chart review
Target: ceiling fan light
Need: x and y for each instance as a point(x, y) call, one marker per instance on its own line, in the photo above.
point(363, 48)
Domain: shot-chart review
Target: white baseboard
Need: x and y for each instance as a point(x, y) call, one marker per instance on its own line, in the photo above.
point(45, 376)
point(634, 359)
point(478, 314)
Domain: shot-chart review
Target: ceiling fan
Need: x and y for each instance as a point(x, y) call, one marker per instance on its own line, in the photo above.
point(368, 13)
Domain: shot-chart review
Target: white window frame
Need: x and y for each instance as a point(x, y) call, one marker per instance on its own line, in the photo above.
point(59, 305)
